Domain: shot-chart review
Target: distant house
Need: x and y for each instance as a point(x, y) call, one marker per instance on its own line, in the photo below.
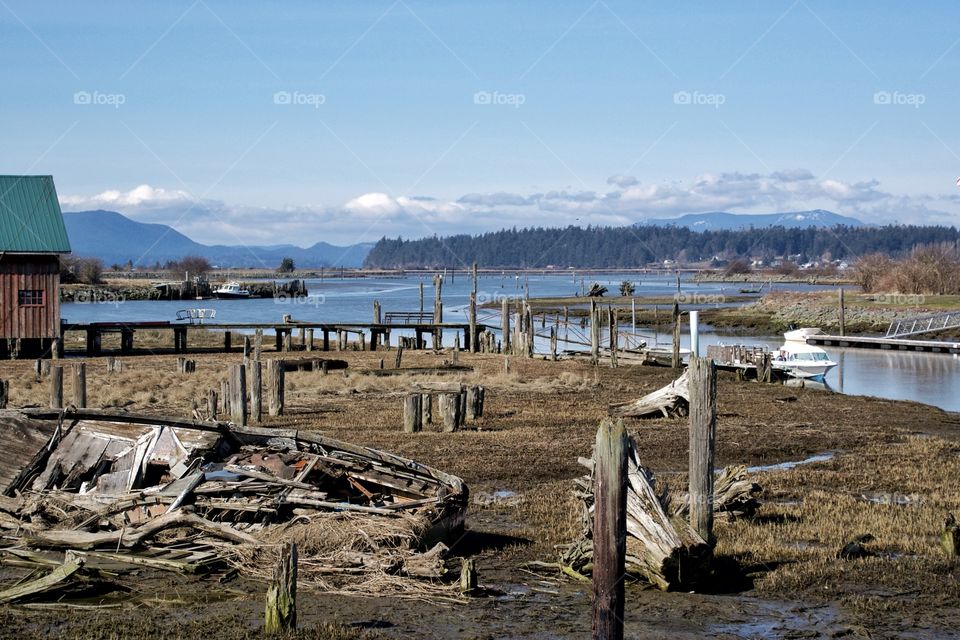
point(32, 237)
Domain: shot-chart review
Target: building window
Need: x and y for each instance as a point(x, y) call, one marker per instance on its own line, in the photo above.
point(30, 298)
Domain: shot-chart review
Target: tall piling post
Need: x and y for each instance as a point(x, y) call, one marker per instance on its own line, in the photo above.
point(609, 529)
point(238, 387)
point(80, 385)
point(675, 361)
point(256, 391)
point(703, 435)
point(276, 400)
point(843, 323)
point(56, 387)
point(505, 324)
point(594, 334)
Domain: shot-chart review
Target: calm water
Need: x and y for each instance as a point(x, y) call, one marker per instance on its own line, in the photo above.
point(932, 379)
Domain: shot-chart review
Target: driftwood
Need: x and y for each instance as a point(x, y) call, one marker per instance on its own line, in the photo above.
point(49, 582)
point(662, 550)
point(672, 400)
point(733, 493)
point(132, 537)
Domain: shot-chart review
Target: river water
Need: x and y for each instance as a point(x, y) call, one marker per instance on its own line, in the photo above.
point(927, 378)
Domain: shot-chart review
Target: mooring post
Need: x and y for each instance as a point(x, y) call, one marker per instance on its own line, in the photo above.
point(238, 386)
point(281, 611)
point(413, 413)
point(256, 391)
point(703, 434)
point(675, 361)
point(505, 324)
point(276, 379)
point(843, 324)
point(609, 528)
point(80, 385)
point(594, 334)
point(56, 387)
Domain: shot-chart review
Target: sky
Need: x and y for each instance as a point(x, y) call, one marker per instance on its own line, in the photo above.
point(295, 122)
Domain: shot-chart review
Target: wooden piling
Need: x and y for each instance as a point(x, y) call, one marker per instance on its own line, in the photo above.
point(456, 348)
point(114, 364)
point(396, 363)
point(413, 413)
point(675, 361)
point(468, 576)
point(212, 403)
point(614, 335)
point(246, 349)
point(257, 343)
point(225, 397)
point(281, 610)
point(702, 386)
point(472, 338)
point(843, 324)
point(256, 391)
point(56, 387)
point(594, 334)
point(238, 389)
point(609, 529)
point(4, 393)
point(276, 373)
point(426, 409)
point(80, 385)
point(505, 324)
point(309, 339)
point(448, 404)
point(553, 343)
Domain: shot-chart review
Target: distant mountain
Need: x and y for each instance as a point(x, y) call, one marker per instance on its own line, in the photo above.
point(722, 221)
point(115, 238)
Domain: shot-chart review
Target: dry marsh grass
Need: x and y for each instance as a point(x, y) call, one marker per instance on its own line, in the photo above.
point(543, 415)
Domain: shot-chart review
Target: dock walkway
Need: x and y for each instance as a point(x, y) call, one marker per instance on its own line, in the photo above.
point(895, 344)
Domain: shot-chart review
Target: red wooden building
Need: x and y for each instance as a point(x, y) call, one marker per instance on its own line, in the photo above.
point(32, 238)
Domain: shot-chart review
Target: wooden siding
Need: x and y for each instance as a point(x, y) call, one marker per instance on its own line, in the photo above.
point(25, 272)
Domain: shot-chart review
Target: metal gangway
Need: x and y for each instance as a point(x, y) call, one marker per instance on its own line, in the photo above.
point(923, 324)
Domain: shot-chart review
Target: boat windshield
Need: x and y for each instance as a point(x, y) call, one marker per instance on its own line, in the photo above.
point(818, 356)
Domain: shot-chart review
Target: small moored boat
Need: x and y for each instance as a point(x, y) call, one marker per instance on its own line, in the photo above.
point(231, 290)
point(802, 360)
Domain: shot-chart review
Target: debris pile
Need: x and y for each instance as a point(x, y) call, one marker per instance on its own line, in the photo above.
point(107, 489)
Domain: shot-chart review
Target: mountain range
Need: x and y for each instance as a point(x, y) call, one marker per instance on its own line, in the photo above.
point(723, 221)
point(115, 239)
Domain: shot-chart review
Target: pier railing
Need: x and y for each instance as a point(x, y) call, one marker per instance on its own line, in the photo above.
point(923, 324)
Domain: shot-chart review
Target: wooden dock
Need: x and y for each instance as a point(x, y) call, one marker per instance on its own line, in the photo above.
point(890, 344)
point(378, 333)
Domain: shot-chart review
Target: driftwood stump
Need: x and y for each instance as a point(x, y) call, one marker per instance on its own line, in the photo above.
point(281, 612)
point(672, 400)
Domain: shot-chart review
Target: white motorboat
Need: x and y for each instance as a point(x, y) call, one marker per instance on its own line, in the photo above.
point(231, 290)
point(802, 360)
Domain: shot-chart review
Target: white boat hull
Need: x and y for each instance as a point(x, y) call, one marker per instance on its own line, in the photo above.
point(811, 371)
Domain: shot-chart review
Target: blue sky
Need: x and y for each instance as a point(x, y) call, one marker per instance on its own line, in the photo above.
point(275, 122)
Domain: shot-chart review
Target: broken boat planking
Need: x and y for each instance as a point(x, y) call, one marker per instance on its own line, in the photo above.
point(102, 485)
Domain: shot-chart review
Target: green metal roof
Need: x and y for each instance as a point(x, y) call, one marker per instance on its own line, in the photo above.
point(30, 216)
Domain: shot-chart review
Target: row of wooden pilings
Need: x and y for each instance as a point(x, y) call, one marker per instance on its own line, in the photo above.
point(454, 408)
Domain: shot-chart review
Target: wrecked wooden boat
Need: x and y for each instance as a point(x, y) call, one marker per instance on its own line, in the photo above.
point(187, 495)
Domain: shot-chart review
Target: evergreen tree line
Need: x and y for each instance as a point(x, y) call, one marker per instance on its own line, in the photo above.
point(608, 247)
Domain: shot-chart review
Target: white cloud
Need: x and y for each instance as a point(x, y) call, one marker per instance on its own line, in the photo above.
point(369, 216)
